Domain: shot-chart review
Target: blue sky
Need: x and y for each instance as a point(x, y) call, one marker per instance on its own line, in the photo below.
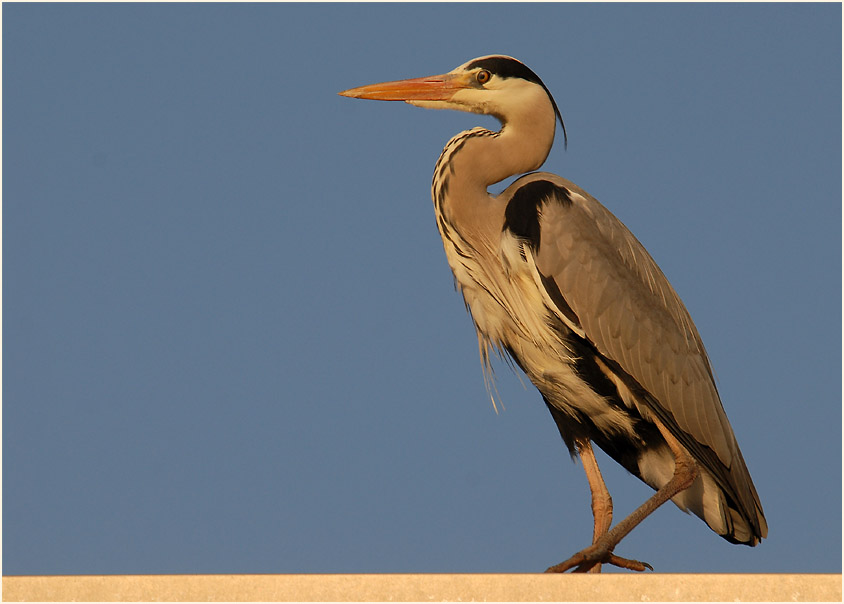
point(231, 340)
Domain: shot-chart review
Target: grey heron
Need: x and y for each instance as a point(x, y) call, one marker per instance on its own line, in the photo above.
point(554, 280)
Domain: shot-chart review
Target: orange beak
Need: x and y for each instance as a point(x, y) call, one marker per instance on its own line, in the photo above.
point(432, 88)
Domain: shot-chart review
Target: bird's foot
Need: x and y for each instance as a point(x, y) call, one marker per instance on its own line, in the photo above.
point(593, 555)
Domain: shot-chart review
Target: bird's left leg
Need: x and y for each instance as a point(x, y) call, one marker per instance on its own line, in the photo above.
point(601, 499)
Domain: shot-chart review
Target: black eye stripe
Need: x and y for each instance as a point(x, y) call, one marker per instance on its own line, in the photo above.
point(506, 67)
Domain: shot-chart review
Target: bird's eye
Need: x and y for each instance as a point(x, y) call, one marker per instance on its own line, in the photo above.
point(483, 76)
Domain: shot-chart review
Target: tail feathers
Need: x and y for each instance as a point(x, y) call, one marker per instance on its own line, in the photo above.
point(705, 499)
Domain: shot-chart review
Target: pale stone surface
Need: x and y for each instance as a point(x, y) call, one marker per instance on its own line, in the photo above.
point(428, 587)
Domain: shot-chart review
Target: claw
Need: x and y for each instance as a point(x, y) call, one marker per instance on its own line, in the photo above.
point(585, 559)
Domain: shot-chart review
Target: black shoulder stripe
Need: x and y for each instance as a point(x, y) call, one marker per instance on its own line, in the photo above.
point(522, 214)
point(558, 299)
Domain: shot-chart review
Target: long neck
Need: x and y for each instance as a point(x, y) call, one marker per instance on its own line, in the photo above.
point(475, 159)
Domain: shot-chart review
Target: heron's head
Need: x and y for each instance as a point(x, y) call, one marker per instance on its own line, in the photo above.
point(495, 85)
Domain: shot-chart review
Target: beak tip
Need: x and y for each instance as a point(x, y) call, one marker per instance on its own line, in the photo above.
point(352, 93)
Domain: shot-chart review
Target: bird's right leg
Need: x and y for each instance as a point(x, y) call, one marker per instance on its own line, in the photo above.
point(601, 499)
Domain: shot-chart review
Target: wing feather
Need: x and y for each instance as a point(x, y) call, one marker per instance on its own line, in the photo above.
point(632, 315)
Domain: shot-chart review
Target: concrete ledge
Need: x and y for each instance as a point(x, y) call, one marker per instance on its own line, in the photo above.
point(411, 587)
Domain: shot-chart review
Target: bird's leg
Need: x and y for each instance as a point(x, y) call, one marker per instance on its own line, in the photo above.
point(685, 473)
point(601, 500)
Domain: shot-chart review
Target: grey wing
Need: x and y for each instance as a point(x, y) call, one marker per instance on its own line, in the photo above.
point(627, 309)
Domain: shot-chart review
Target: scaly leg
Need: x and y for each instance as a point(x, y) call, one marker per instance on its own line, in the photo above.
point(685, 473)
point(601, 500)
